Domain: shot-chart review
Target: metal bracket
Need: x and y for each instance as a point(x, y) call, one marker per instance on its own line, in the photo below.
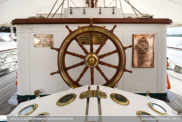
point(100, 11)
point(179, 111)
point(93, 93)
point(36, 92)
point(71, 10)
point(116, 85)
point(113, 11)
point(148, 94)
point(84, 11)
point(71, 86)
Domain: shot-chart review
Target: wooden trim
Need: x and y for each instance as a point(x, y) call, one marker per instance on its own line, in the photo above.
point(174, 48)
point(92, 3)
point(8, 49)
point(95, 21)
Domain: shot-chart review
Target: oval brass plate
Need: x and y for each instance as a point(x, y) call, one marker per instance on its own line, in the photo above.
point(145, 117)
point(120, 99)
point(66, 99)
point(42, 117)
point(157, 108)
point(28, 110)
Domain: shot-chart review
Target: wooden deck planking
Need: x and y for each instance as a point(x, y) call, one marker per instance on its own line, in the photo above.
point(176, 88)
point(7, 89)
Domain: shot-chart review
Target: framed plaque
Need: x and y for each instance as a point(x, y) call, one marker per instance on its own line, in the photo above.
point(43, 40)
point(143, 51)
point(98, 38)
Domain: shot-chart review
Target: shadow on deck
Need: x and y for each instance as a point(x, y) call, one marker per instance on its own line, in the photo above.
point(7, 89)
point(176, 88)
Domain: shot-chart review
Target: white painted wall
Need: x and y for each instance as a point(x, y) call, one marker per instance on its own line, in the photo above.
point(92, 12)
point(36, 63)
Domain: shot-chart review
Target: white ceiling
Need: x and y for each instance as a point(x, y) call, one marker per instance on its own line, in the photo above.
point(11, 9)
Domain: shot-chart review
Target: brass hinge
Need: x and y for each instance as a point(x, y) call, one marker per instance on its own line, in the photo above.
point(93, 93)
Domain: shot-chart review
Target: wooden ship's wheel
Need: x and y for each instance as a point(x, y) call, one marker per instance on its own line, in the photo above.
point(91, 59)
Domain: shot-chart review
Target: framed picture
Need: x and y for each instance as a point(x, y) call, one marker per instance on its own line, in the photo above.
point(143, 51)
point(43, 40)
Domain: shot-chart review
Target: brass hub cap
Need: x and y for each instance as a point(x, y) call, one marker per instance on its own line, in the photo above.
point(91, 60)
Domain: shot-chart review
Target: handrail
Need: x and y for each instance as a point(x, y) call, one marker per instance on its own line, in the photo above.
point(174, 48)
point(8, 49)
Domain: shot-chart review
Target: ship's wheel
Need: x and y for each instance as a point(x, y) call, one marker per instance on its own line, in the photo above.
point(91, 59)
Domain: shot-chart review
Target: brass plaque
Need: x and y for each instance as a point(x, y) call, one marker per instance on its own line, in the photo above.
point(43, 40)
point(97, 37)
point(143, 51)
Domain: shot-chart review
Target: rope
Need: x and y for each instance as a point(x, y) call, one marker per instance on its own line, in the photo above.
point(111, 3)
point(121, 8)
point(73, 3)
point(62, 9)
point(172, 62)
point(57, 9)
point(52, 8)
point(133, 9)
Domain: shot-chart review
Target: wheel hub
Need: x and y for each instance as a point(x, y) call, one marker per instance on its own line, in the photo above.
point(91, 60)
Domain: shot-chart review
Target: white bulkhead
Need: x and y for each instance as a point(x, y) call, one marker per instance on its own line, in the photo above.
point(36, 63)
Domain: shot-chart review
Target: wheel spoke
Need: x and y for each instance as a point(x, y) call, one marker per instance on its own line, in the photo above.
point(74, 54)
point(92, 75)
point(101, 45)
point(91, 41)
point(107, 54)
point(98, 68)
point(109, 65)
point(81, 75)
point(76, 65)
point(81, 45)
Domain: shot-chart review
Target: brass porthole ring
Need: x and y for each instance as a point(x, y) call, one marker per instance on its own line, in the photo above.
point(142, 114)
point(120, 99)
point(34, 108)
point(67, 99)
point(150, 104)
point(45, 114)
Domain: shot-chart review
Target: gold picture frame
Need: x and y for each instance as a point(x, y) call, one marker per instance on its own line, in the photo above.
point(143, 51)
point(43, 40)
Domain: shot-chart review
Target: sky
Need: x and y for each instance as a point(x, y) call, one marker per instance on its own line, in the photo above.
point(174, 30)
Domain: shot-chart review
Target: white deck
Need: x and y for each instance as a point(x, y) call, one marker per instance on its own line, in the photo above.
point(8, 84)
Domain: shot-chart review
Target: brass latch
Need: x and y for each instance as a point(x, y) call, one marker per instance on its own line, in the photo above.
point(36, 93)
point(93, 93)
point(179, 111)
point(148, 94)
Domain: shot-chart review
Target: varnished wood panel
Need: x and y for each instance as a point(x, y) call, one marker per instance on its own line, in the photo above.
point(95, 21)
